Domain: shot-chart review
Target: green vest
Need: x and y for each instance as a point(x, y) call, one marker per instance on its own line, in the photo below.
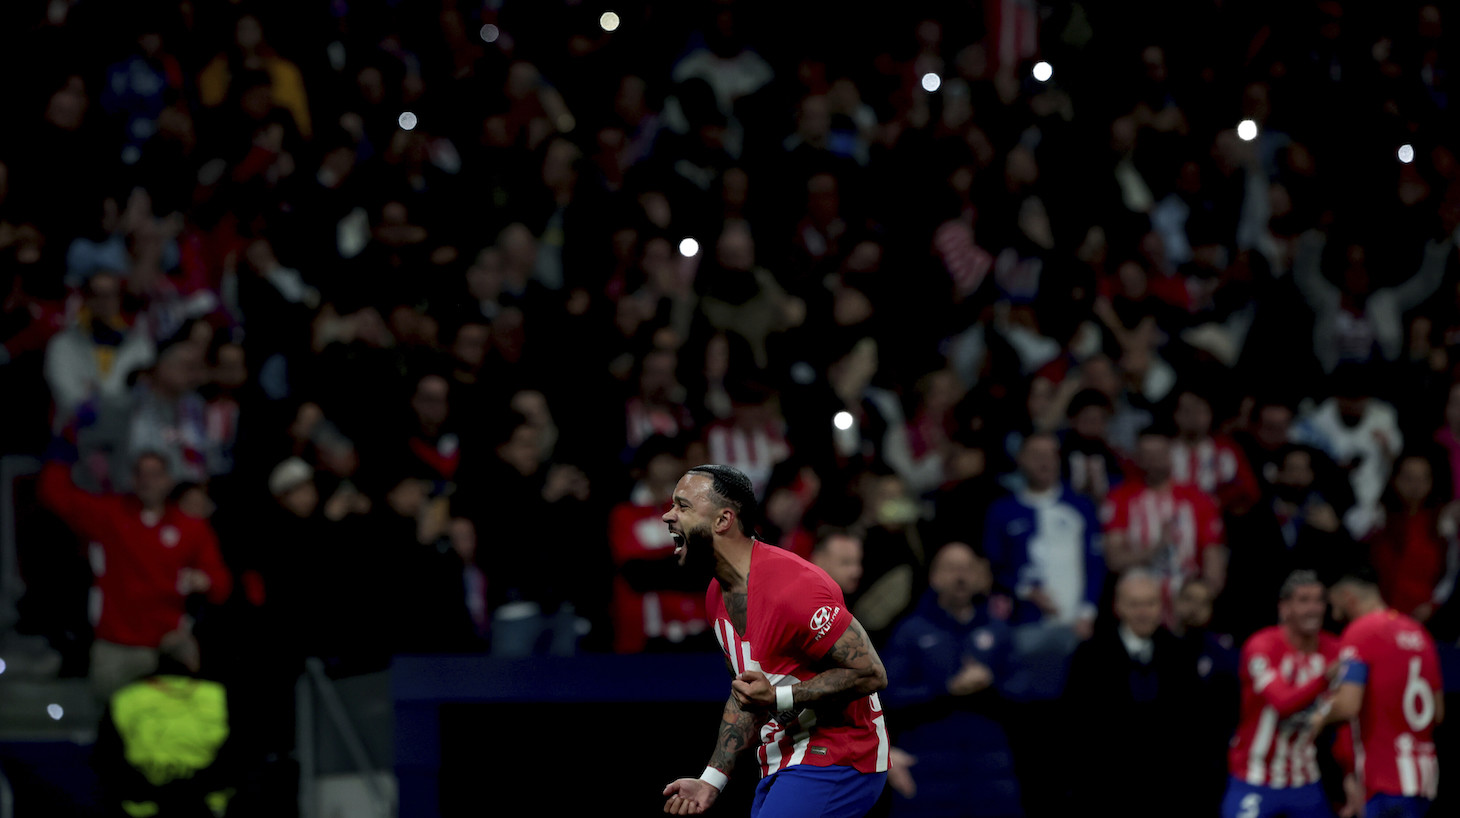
point(171, 727)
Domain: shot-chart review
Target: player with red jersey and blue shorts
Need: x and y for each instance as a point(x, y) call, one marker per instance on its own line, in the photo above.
point(1286, 670)
point(1391, 694)
point(806, 676)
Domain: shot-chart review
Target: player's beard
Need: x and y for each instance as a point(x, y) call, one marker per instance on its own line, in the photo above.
point(699, 551)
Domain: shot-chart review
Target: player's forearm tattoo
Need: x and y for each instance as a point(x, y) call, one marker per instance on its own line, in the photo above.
point(737, 731)
point(857, 670)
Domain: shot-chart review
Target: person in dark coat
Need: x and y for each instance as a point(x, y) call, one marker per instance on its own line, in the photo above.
point(1128, 697)
point(945, 662)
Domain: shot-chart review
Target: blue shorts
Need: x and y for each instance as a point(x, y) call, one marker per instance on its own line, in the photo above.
point(1251, 801)
point(808, 791)
point(1396, 806)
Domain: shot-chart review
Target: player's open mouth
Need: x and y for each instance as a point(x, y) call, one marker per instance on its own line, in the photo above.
point(678, 541)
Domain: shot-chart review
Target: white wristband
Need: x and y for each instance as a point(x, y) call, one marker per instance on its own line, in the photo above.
point(785, 700)
point(715, 778)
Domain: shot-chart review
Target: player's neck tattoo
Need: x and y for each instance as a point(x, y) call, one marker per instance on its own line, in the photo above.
point(736, 603)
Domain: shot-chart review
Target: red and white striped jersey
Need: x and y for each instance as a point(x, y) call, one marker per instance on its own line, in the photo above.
point(1273, 746)
point(794, 614)
point(1181, 517)
point(1218, 467)
point(755, 451)
point(1394, 734)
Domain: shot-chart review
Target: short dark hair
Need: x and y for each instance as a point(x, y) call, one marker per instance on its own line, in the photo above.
point(730, 488)
point(1361, 576)
point(1297, 580)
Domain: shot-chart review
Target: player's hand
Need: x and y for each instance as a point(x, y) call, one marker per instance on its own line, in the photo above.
point(1353, 794)
point(753, 691)
point(899, 772)
point(689, 796)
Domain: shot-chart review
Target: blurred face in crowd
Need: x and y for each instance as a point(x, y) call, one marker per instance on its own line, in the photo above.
point(1099, 373)
point(301, 500)
point(1153, 455)
point(152, 481)
point(521, 451)
point(231, 371)
point(1039, 461)
point(1138, 604)
point(1413, 481)
point(1091, 422)
point(195, 502)
point(823, 201)
point(408, 497)
point(1295, 476)
point(1351, 408)
point(1193, 605)
point(431, 402)
point(104, 297)
point(736, 248)
point(662, 471)
point(657, 380)
point(470, 346)
point(484, 277)
point(248, 35)
point(841, 558)
point(1303, 610)
point(1273, 423)
point(1193, 416)
point(958, 575)
point(179, 370)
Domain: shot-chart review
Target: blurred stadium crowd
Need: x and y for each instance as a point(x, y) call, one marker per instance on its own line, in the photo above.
point(349, 329)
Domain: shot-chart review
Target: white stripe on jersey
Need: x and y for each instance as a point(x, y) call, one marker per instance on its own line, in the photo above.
point(1266, 724)
point(1280, 758)
point(1408, 767)
point(883, 745)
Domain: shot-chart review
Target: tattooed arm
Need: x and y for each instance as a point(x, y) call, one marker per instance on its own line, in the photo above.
point(738, 727)
point(852, 669)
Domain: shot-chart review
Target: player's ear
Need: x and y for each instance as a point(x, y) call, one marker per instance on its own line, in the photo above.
point(725, 521)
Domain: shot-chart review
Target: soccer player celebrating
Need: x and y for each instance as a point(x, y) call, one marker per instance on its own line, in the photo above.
point(1390, 691)
point(806, 676)
point(1285, 671)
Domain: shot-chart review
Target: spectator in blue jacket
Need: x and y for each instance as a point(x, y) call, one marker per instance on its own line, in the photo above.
point(945, 664)
point(1044, 546)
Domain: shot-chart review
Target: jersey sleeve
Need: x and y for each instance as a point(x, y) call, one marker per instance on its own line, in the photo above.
point(1261, 658)
point(814, 615)
point(1355, 651)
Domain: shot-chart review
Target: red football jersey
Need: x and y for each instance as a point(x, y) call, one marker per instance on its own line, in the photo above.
point(1394, 746)
point(1218, 467)
point(637, 532)
point(1182, 515)
point(1273, 746)
point(794, 614)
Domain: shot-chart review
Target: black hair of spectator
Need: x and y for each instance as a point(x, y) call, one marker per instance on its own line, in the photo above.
point(825, 534)
point(730, 488)
point(146, 454)
point(1351, 380)
point(182, 488)
point(1158, 428)
point(656, 446)
point(1086, 398)
point(1440, 479)
point(503, 425)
